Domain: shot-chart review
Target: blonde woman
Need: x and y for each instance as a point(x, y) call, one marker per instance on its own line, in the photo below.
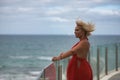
point(78, 67)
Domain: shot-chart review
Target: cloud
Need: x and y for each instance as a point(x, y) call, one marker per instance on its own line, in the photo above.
point(98, 1)
point(58, 19)
point(36, 13)
point(105, 12)
point(45, 1)
point(13, 10)
point(23, 9)
point(57, 10)
point(8, 1)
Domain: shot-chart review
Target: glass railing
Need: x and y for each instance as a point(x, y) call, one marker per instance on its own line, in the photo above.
point(103, 59)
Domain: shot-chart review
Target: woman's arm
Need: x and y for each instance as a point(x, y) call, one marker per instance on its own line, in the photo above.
point(63, 55)
point(76, 49)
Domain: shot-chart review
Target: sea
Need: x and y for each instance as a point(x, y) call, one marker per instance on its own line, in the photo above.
point(23, 57)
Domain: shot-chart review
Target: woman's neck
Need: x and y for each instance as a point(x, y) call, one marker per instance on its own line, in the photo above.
point(83, 37)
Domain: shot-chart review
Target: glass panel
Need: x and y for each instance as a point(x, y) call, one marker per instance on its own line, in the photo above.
point(57, 63)
point(102, 60)
point(93, 61)
point(49, 73)
point(64, 64)
point(111, 57)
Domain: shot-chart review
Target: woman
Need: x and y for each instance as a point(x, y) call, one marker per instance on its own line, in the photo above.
point(78, 67)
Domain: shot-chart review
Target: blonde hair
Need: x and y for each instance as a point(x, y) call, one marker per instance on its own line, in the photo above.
point(88, 27)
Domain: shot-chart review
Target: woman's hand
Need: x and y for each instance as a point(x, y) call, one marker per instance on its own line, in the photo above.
point(56, 58)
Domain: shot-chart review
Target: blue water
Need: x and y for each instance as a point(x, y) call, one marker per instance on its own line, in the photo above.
point(22, 57)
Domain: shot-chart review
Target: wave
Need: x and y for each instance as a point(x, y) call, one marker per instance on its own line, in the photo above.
point(17, 77)
point(20, 57)
point(35, 73)
point(45, 58)
point(32, 57)
point(1, 66)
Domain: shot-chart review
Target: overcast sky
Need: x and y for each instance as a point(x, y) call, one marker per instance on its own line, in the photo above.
point(58, 16)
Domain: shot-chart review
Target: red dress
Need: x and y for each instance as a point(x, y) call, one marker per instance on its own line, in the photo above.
point(79, 69)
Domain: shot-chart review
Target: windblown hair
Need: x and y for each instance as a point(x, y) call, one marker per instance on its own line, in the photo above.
point(88, 27)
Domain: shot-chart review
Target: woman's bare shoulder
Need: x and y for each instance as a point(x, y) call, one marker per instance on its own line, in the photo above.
point(84, 43)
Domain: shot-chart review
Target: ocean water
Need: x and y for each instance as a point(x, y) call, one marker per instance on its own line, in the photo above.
point(22, 57)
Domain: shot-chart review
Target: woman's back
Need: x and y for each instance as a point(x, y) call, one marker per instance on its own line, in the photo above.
point(84, 48)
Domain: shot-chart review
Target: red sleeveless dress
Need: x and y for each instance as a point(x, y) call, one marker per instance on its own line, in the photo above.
point(79, 69)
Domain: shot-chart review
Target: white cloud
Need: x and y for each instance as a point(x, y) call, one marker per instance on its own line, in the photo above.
point(105, 12)
point(57, 10)
point(58, 19)
point(15, 10)
point(45, 1)
point(8, 1)
point(24, 9)
point(98, 1)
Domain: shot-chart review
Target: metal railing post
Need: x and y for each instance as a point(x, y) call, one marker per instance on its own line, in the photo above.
point(57, 64)
point(106, 61)
point(116, 58)
point(60, 72)
point(42, 77)
point(44, 74)
point(98, 61)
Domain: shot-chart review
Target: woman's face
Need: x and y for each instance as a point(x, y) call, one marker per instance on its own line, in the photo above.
point(78, 31)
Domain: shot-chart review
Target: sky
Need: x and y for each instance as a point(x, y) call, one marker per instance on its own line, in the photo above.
point(58, 16)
